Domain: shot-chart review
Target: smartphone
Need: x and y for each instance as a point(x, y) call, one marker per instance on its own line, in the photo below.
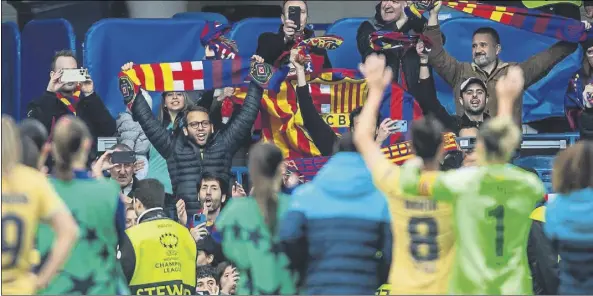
point(123, 157)
point(294, 14)
point(74, 75)
point(104, 143)
point(199, 219)
point(401, 126)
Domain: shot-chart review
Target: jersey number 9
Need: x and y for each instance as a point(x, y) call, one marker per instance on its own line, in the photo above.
point(426, 237)
point(12, 238)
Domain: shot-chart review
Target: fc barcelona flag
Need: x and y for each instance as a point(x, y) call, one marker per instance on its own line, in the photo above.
point(335, 93)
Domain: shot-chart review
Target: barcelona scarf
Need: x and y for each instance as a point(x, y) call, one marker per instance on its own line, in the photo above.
point(70, 102)
point(554, 26)
point(328, 42)
point(388, 40)
point(307, 168)
point(212, 36)
point(197, 75)
point(335, 94)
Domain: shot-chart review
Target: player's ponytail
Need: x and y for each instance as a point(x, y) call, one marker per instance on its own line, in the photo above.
point(11, 145)
point(265, 161)
point(69, 136)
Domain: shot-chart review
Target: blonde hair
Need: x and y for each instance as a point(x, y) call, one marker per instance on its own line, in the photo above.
point(573, 168)
point(500, 137)
point(69, 136)
point(12, 146)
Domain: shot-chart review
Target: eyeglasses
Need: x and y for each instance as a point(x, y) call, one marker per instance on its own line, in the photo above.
point(196, 124)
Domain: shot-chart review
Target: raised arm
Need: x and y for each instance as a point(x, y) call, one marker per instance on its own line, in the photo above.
point(427, 94)
point(385, 174)
point(538, 66)
point(322, 134)
point(156, 133)
point(447, 66)
point(240, 127)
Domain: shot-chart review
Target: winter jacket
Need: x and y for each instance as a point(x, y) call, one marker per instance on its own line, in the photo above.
point(270, 46)
point(129, 132)
point(337, 230)
point(543, 259)
point(186, 160)
point(455, 72)
point(568, 225)
point(48, 109)
point(409, 61)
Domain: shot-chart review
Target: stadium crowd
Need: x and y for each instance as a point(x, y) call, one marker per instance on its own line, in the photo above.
point(160, 213)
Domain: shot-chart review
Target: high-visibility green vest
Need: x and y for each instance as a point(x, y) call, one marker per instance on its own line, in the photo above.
point(537, 4)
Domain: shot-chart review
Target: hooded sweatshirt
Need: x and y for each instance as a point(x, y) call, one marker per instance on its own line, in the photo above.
point(337, 230)
point(569, 224)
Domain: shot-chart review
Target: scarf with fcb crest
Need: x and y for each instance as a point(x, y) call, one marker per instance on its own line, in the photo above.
point(210, 74)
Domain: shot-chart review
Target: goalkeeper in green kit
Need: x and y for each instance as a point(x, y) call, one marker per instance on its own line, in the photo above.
point(492, 203)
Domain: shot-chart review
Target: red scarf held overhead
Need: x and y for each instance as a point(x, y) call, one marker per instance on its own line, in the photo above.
point(70, 102)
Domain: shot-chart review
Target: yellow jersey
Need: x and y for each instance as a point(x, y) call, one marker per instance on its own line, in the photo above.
point(423, 248)
point(27, 198)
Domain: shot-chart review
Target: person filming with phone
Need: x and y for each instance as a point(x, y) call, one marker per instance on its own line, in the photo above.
point(271, 46)
point(70, 91)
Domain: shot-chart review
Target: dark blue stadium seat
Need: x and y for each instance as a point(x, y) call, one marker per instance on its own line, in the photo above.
point(112, 42)
point(206, 16)
point(247, 31)
point(41, 39)
point(11, 69)
point(345, 56)
point(543, 99)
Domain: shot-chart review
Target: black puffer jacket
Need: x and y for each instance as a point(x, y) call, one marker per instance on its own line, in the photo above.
point(185, 159)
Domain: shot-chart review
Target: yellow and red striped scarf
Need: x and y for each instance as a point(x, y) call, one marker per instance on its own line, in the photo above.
point(70, 102)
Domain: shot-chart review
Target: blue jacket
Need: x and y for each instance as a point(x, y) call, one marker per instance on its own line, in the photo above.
point(337, 230)
point(569, 224)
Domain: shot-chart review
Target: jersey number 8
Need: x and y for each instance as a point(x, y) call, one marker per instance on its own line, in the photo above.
point(12, 239)
point(427, 237)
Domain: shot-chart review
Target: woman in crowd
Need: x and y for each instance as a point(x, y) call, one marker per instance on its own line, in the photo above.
point(27, 199)
point(569, 219)
point(96, 206)
point(249, 226)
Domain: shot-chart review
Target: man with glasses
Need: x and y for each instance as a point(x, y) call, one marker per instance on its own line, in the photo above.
point(197, 148)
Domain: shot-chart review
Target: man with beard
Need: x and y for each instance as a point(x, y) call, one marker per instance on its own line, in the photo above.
point(486, 64)
point(390, 16)
point(62, 98)
point(197, 149)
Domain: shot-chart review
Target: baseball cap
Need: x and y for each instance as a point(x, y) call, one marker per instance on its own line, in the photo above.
point(472, 80)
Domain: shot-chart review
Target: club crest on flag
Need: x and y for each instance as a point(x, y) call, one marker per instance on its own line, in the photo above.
point(127, 89)
point(261, 72)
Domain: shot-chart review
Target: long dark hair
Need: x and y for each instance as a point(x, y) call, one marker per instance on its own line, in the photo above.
point(68, 138)
point(264, 165)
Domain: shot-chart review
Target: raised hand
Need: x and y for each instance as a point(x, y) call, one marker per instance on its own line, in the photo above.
point(257, 58)
point(420, 50)
point(297, 60)
point(181, 212)
point(55, 82)
point(289, 29)
point(376, 73)
point(385, 130)
point(102, 164)
point(199, 232)
point(127, 66)
point(87, 87)
point(238, 190)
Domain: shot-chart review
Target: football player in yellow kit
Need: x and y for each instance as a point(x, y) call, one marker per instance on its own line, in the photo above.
point(27, 199)
point(423, 248)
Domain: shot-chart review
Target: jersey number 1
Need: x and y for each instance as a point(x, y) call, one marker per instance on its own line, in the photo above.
point(498, 213)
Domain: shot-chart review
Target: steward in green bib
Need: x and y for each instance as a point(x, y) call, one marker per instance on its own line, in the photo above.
point(92, 268)
point(158, 255)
